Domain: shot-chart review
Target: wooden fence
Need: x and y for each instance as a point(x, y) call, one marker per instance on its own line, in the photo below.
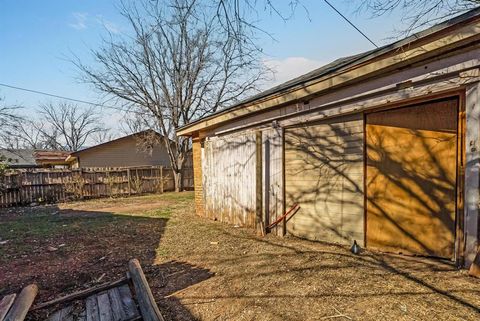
point(22, 187)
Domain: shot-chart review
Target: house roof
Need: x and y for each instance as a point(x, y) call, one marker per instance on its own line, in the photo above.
point(338, 66)
point(148, 131)
point(50, 156)
point(19, 157)
point(33, 157)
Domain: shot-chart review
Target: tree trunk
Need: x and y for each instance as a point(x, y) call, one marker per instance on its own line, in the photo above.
point(178, 172)
point(177, 178)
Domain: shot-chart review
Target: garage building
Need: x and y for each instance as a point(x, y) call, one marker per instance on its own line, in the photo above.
point(381, 148)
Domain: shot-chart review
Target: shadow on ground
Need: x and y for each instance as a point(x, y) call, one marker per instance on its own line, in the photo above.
point(67, 248)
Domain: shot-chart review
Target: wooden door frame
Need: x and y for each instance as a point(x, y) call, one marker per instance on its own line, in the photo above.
point(460, 95)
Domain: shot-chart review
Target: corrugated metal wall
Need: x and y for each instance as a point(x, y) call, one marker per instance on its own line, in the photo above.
point(228, 167)
point(324, 174)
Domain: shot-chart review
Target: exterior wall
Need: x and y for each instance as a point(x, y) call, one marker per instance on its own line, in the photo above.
point(324, 174)
point(273, 205)
point(439, 77)
point(198, 176)
point(228, 170)
point(123, 153)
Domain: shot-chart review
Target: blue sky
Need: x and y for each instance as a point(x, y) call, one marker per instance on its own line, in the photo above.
point(37, 37)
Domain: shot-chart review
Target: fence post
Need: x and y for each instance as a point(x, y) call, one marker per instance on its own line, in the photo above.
point(23, 188)
point(161, 179)
point(109, 183)
point(83, 183)
point(128, 178)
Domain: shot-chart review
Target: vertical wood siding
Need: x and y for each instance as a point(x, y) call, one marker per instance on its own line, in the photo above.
point(273, 177)
point(229, 178)
point(324, 174)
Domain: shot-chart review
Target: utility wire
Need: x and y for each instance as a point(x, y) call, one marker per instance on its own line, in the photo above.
point(62, 97)
point(351, 23)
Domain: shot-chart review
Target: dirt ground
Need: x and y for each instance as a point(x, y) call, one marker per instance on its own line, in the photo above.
point(219, 272)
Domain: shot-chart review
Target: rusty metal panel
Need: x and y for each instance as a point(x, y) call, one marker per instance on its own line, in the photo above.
point(324, 174)
point(411, 179)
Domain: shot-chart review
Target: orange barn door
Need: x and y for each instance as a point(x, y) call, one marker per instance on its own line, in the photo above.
point(411, 179)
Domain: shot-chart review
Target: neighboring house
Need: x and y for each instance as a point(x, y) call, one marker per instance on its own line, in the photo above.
point(128, 151)
point(34, 158)
point(52, 158)
point(382, 147)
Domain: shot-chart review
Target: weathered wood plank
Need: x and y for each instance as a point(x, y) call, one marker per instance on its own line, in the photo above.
point(5, 305)
point(22, 303)
point(146, 302)
point(118, 313)
point(128, 304)
point(81, 294)
point(228, 169)
point(82, 316)
point(104, 308)
point(64, 314)
point(56, 316)
point(91, 307)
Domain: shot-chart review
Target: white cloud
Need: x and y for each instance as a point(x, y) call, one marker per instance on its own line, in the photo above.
point(290, 67)
point(80, 21)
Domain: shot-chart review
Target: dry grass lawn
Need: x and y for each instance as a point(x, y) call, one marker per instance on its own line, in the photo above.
point(219, 272)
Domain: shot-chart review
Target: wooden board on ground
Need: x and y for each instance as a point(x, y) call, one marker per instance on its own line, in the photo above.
point(146, 302)
point(115, 301)
point(91, 308)
point(5, 305)
point(128, 304)
point(22, 303)
point(115, 304)
point(63, 314)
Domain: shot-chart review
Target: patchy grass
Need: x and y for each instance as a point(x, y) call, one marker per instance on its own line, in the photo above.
point(219, 272)
point(70, 246)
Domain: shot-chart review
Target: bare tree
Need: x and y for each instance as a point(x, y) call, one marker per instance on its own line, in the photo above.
point(9, 117)
point(180, 63)
point(66, 126)
point(134, 123)
point(25, 133)
point(102, 136)
point(419, 13)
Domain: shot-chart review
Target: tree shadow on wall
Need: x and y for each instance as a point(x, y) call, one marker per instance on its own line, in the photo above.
point(410, 179)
